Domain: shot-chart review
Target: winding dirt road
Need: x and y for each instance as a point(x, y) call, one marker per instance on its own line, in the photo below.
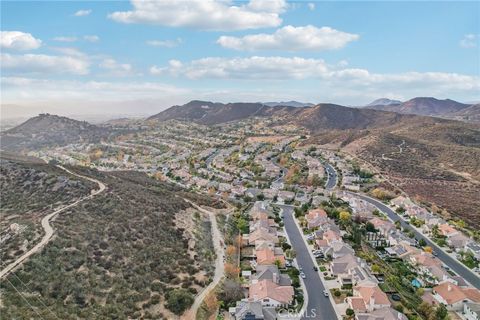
point(46, 224)
point(219, 266)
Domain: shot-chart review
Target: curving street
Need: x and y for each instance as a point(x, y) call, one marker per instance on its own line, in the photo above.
point(331, 177)
point(451, 262)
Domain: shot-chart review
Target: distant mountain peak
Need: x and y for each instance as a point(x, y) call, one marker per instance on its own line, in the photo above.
point(426, 106)
point(384, 102)
point(290, 103)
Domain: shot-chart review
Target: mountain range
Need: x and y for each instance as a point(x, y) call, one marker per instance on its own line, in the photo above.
point(439, 161)
point(426, 106)
point(289, 104)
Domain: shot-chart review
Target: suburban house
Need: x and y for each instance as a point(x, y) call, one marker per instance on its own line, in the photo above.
point(249, 310)
point(271, 272)
point(338, 249)
point(458, 241)
point(382, 314)
point(269, 256)
point(315, 218)
point(447, 230)
point(332, 236)
point(285, 196)
point(349, 269)
point(453, 296)
point(383, 226)
point(401, 250)
point(260, 235)
point(267, 224)
point(271, 294)
point(368, 297)
point(471, 311)
point(437, 274)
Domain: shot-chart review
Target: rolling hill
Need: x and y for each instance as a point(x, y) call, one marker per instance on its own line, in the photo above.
point(469, 114)
point(383, 102)
point(296, 104)
point(426, 106)
point(50, 130)
point(322, 116)
point(209, 113)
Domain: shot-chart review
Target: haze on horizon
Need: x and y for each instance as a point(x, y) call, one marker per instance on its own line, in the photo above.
point(110, 58)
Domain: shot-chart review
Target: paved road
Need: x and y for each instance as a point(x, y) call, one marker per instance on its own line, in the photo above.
point(319, 306)
point(451, 262)
point(331, 180)
point(48, 228)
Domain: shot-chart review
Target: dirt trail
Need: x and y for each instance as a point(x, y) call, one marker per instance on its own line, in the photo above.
point(219, 266)
point(46, 224)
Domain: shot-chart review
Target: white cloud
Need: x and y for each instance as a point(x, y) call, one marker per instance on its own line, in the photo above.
point(164, 43)
point(82, 13)
point(245, 68)
point(205, 15)
point(311, 6)
point(41, 63)
point(69, 51)
point(291, 39)
point(91, 38)
point(469, 41)
point(173, 67)
point(336, 78)
point(116, 68)
point(65, 39)
point(17, 40)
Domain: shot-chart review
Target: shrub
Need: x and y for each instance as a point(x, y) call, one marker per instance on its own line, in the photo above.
point(179, 300)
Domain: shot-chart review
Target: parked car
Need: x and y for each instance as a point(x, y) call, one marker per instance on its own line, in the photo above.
point(315, 268)
point(302, 275)
point(325, 293)
point(396, 297)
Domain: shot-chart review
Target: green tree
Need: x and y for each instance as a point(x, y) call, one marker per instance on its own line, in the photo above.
point(242, 225)
point(370, 227)
point(435, 231)
point(179, 300)
point(425, 309)
point(422, 242)
point(441, 312)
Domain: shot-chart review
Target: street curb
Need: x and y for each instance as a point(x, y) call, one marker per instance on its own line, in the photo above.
point(319, 272)
point(302, 284)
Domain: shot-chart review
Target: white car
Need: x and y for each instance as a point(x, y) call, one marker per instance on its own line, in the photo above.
point(302, 275)
point(325, 293)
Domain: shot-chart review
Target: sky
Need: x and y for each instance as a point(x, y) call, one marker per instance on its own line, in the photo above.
point(140, 57)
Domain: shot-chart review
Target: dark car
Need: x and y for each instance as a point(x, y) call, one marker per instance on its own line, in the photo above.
point(315, 268)
point(396, 297)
